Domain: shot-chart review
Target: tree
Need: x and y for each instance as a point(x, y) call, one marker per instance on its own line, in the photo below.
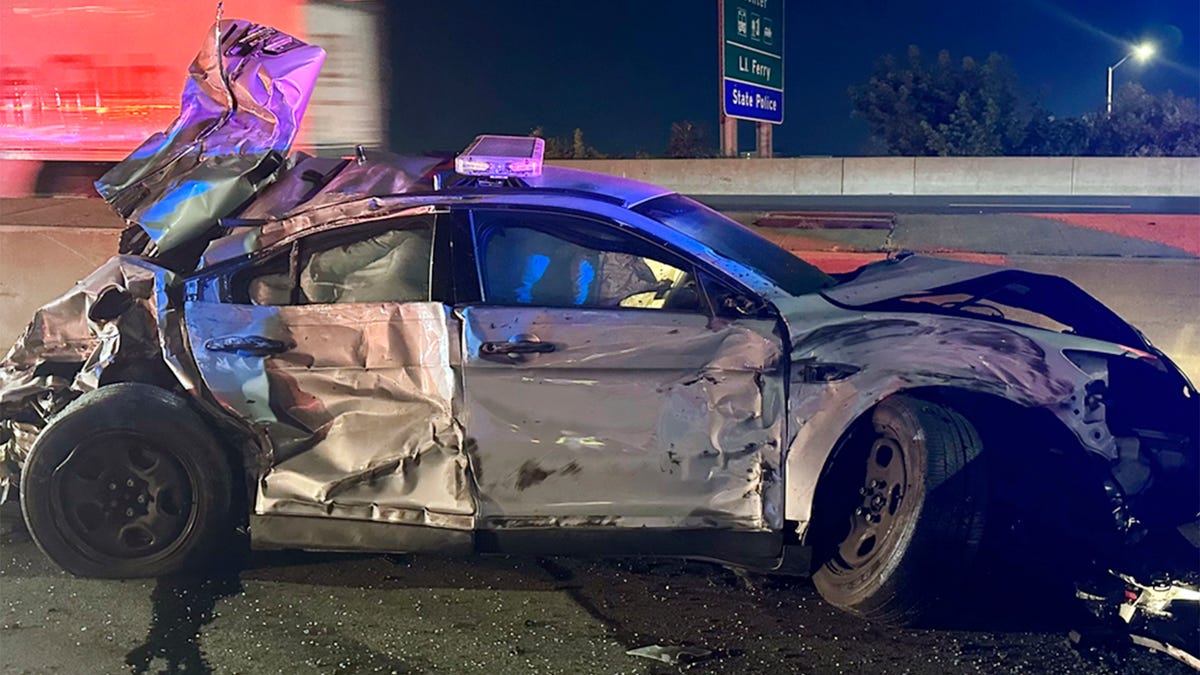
point(555, 148)
point(688, 139)
point(581, 150)
point(1147, 125)
point(944, 108)
point(562, 148)
point(969, 108)
point(1048, 135)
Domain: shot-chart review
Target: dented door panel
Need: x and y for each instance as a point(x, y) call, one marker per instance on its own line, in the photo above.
point(356, 401)
point(634, 419)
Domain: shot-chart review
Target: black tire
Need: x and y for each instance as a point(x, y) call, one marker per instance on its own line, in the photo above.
point(896, 548)
point(127, 482)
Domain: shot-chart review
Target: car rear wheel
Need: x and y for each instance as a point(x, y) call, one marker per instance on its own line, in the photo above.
point(901, 516)
point(126, 482)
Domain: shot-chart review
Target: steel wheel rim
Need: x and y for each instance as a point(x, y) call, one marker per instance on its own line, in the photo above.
point(878, 519)
point(122, 497)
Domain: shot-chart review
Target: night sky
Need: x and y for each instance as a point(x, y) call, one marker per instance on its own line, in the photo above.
point(623, 70)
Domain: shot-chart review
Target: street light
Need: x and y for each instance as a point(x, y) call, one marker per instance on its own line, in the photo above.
point(1140, 52)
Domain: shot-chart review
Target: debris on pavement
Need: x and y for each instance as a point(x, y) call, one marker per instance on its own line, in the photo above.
point(1169, 650)
point(1154, 599)
point(673, 655)
point(1159, 615)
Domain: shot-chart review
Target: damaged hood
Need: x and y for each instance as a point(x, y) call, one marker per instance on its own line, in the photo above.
point(891, 284)
point(241, 108)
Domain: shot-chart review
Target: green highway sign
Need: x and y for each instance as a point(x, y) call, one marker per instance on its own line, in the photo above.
point(754, 67)
point(757, 24)
point(752, 59)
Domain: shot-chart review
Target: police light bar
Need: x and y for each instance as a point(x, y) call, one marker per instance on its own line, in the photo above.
point(502, 157)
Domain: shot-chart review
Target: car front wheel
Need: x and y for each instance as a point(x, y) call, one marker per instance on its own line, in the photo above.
point(901, 516)
point(126, 482)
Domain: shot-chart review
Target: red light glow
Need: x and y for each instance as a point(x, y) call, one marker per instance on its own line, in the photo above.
point(91, 80)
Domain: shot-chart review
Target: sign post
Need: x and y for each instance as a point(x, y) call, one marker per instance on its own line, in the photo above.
point(751, 69)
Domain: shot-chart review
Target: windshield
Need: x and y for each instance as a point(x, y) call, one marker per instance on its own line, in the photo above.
point(736, 242)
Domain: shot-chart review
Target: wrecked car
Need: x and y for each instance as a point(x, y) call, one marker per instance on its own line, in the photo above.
point(481, 353)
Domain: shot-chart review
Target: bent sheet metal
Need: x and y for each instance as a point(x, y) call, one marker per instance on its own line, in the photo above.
point(658, 425)
point(635, 419)
point(63, 353)
point(358, 407)
point(240, 111)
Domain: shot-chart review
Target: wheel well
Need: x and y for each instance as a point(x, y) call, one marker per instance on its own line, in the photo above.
point(145, 371)
point(232, 441)
point(1063, 491)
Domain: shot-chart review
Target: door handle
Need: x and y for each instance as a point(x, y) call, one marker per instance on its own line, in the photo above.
point(247, 345)
point(515, 347)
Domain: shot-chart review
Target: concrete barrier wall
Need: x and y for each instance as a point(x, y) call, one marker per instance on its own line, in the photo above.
point(1096, 176)
point(1125, 175)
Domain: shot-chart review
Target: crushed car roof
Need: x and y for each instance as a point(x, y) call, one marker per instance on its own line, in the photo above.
point(227, 153)
point(310, 182)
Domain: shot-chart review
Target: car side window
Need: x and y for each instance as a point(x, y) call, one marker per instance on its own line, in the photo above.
point(379, 262)
point(556, 260)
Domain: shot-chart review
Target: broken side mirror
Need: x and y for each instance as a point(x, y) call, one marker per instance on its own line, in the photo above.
point(742, 305)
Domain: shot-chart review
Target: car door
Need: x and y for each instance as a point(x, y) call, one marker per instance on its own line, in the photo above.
point(342, 354)
point(601, 389)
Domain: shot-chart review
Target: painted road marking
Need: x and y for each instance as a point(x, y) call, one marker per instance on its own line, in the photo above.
point(1042, 206)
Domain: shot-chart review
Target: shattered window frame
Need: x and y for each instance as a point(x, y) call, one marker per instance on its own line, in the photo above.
point(299, 254)
point(734, 241)
point(587, 231)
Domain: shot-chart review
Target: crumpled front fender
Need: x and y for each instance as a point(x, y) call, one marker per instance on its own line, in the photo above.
point(840, 371)
point(63, 353)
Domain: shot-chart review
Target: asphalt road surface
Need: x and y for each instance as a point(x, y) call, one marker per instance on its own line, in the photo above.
point(307, 613)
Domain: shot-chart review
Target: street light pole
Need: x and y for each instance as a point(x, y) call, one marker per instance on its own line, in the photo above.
point(1110, 69)
point(1141, 52)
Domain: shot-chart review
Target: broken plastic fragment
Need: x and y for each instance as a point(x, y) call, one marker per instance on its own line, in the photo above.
point(1154, 599)
point(672, 654)
point(1168, 649)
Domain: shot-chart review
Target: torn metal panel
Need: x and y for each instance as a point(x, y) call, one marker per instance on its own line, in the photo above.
point(313, 182)
point(247, 240)
point(61, 331)
point(319, 193)
point(356, 400)
point(384, 185)
point(240, 110)
point(863, 360)
point(635, 419)
point(914, 276)
point(63, 352)
point(301, 177)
